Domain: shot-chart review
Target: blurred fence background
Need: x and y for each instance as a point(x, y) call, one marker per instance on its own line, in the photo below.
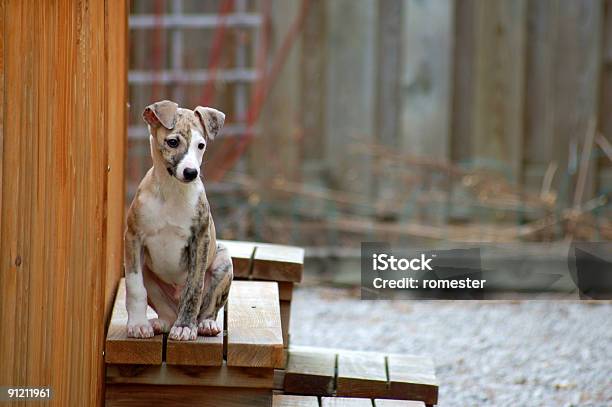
point(409, 120)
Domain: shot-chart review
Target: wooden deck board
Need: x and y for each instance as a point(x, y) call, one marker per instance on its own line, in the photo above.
point(242, 254)
point(254, 332)
point(121, 349)
point(204, 351)
point(283, 400)
point(345, 402)
point(397, 403)
point(310, 373)
point(278, 263)
point(361, 374)
point(412, 377)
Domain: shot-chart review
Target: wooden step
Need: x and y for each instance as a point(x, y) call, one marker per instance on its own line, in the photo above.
point(265, 261)
point(204, 351)
point(121, 349)
point(282, 400)
point(324, 372)
point(253, 335)
point(210, 376)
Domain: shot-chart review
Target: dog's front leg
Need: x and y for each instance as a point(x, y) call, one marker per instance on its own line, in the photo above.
point(185, 327)
point(138, 325)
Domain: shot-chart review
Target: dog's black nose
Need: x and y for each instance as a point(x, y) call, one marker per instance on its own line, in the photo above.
point(190, 174)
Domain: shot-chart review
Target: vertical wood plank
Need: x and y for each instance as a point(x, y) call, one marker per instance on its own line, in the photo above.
point(350, 92)
point(116, 27)
point(605, 164)
point(387, 120)
point(499, 82)
point(489, 83)
point(463, 78)
point(577, 62)
point(427, 41)
point(563, 76)
point(280, 115)
point(313, 86)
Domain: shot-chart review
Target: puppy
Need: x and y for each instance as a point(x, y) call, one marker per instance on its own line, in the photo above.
point(172, 259)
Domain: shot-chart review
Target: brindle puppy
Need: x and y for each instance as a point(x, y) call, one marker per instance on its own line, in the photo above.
point(172, 259)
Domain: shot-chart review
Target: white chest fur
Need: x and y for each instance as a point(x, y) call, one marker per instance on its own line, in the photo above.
point(167, 214)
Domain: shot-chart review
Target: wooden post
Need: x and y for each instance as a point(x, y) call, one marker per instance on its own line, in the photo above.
point(63, 134)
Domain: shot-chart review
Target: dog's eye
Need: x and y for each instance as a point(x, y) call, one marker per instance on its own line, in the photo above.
point(201, 146)
point(172, 142)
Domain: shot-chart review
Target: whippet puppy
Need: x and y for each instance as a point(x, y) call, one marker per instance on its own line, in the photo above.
point(172, 259)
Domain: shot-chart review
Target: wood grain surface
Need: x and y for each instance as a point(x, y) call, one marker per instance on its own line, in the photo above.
point(310, 373)
point(204, 351)
point(121, 349)
point(215, 376)
point(63, 76)
point(254, 333)
point(282, 400)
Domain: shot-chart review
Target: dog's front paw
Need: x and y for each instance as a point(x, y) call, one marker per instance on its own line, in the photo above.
point(183, 333)
point(208, 327)
point(139, 329)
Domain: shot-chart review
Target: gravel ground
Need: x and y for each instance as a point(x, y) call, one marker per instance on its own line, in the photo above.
point(528, 353)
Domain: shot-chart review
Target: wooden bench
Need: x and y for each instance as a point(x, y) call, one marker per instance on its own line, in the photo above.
point(251, 360)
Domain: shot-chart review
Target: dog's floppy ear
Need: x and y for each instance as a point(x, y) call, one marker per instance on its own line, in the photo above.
point(161, 113)
point(212, 120)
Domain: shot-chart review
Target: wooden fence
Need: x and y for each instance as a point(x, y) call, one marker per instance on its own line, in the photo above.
point(512, 86)
point(63, 74)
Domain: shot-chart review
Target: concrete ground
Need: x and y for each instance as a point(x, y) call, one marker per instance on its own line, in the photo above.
point(515, 354)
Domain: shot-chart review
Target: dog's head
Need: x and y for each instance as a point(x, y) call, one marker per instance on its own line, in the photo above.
point(179, 136)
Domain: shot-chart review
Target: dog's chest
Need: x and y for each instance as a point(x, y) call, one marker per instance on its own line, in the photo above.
point(167, 227)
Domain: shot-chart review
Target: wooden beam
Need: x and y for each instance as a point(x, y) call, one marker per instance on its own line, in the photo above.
point(121, 349)
point(285, 310)
point(254, 332)
point(119, 395)
point(204, 351)
point(285, 290)
point(214, 376)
